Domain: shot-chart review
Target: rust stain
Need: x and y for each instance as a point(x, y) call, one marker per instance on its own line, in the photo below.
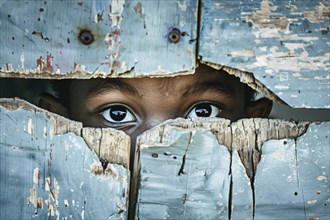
point(321, 13)
point(138, 8)
point(38, 33)
point(33, 199)
point(265, 18)
point(98, 169)
point(99, 17)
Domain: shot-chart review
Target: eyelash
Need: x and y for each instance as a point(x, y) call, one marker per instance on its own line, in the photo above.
point(213, 106)
point(131, 116)
point(105, 114)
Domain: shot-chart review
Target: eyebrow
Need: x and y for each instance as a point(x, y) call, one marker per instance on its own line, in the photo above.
point(109, 85)
point(209, 86)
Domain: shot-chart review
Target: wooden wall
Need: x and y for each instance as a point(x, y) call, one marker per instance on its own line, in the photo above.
point(51, 167)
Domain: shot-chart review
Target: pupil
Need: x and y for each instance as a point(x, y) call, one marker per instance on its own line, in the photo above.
point(203, 110)
point(118, 113)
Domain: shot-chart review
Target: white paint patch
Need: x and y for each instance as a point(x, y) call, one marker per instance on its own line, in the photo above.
point(311, 202)
point(30, 127)
point(22, 61)
point(182, 6)
point(83, 214)
point(115, 15)
point(66, 203)
point(322, 77)
point(45, 132)
point(36, 175)
point(320, 178)
point(281, 87)
point(242, 53)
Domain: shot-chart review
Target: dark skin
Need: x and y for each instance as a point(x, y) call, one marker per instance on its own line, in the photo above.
point(138, 104)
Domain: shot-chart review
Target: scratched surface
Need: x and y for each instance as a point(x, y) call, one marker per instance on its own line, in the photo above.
point(45, 175)
point(97, 38)
point(177, 185)
point(284, 43)
point(187, 173)
point(300, 177)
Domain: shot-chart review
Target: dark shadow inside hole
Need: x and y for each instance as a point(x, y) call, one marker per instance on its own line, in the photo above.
point(29, 89)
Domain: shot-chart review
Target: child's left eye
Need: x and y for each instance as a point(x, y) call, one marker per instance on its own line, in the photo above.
point(118, 114)
point(203, 110)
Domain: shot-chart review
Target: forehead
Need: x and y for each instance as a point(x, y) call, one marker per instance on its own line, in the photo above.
point(204, 75)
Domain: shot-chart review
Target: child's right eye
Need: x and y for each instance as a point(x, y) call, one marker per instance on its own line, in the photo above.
point(204, 109)
point(118, 114)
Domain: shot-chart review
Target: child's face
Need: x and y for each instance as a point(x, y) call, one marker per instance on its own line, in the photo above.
point(135, 105)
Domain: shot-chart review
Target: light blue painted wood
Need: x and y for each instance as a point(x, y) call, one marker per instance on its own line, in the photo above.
point(285, 44)
point(43, 36)
point(45, 176)
point(277, 192)
point(199, 191)
point(290, 170)
point(313, 160)
point(242, 192)
point(292, 179)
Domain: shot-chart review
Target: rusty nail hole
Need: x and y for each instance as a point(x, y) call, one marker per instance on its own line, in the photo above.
point(174, 35)
point(295, 193)
point(86, 37)
point(318, 193)
point(174, 157)
point(41, 9)
point(104, 163)
point(183, 34)
point(154, 155)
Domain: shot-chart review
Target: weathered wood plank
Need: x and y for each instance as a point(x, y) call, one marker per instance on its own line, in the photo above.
point(185, 177)
point(264, 187)
point(78, 39)
point(285, 44)
point(242, 199)
point(48, 171)
point(293, 175)
point(276, 186)
point(313, 153)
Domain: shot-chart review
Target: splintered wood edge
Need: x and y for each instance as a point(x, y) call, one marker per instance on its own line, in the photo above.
point(232, 135)
point(110, 144)
point(81, 74)
point(248, 79)
point(245, 77)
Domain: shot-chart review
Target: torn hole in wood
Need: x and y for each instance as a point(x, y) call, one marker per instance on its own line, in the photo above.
point(248, 79)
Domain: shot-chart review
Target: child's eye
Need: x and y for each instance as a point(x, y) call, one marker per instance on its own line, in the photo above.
point(118, 114)
point(204, 110)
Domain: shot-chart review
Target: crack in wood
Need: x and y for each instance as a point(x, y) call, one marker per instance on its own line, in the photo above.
point(110, 144)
